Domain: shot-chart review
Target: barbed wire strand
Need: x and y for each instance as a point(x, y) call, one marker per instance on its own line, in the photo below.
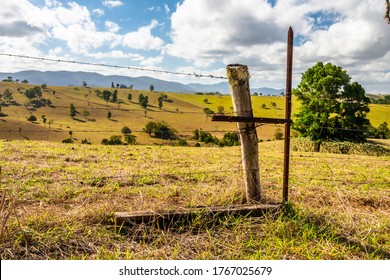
point(114, 66)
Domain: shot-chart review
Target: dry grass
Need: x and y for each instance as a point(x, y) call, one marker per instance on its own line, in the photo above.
point(57, 203)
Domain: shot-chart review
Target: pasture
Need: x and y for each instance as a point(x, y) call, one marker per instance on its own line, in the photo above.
point(58, 202)
point(183, 112)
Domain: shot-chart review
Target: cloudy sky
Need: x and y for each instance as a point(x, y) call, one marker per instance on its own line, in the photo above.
point(199, 36)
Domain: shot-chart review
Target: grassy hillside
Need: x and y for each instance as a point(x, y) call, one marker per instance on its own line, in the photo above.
point(58, 202)
point(184, 112)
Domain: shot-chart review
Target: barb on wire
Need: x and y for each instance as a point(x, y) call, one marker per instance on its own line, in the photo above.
point(114, 66)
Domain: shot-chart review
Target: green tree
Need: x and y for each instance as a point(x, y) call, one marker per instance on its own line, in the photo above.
point(382, 132)
point(160, 102)
point(129, 97)
point(114, 96)
point(7, 95)
point(160, 130)
point(106, 95)
point(109, 114)
point(86, 113)
point(278, 134)
point(32, 118)
point(33, 92)
point(73, 110)
point(126, 130)
point(332, 108)
point(151, 87)
point(143, 101)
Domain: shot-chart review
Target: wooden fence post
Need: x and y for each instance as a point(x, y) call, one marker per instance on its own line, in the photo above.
point(238, 76)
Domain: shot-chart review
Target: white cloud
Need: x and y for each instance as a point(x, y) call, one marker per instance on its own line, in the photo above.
point(111, 26)
point(167, 10)
point(143, 38)
point(115, 54)
point(98, 12)
point(351, 34)
point(152, 61)
point(112, 3)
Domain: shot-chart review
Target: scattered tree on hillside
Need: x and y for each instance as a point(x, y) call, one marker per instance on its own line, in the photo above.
point(86, 113)
point(160, 102)
point(332, 108)
point(32, 118)
point(24, 81)
point(73, 110)
point(34, 92)
point(129, 97)
point(9, 79)
point(151, 87)
point(143, 101)
point(106, 94)
point(208, 112)
point(109, 114)
point(160, 130)
point(278, 134)
point(112, 85)
point(114, 96)
point(382, 132)
point(43, 117)
point(7, 95)
point(126, 130)
point(85, 84)
point(44, 86)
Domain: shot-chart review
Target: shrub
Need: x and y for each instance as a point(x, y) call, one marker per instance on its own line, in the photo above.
point(32, 118)
point(278, 134)
point(85, 141)
point(307, 145)
point(229, 139)
point(160, 130)
point(126, 130)
point(68, 141)
point(130, 139)
point(182, 142)
point(114, 140)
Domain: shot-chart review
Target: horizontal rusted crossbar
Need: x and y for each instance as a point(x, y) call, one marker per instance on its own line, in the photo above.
point(221, 118)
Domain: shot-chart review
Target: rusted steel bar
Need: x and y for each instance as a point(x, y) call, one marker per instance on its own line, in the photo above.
point(290, 41)
point(221, 118)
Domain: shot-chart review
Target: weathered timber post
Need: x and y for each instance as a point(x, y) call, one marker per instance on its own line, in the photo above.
point(238, 76)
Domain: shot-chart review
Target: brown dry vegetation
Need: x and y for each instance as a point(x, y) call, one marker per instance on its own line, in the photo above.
point(57, 202)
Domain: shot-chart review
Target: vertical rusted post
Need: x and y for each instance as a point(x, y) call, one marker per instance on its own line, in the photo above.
point(238, 76)
point(290, 41)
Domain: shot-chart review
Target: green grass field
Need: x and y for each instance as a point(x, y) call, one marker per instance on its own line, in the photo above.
point(184, 112)
point(58, 202)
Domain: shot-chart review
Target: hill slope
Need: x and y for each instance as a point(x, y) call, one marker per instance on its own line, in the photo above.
point(184, 112)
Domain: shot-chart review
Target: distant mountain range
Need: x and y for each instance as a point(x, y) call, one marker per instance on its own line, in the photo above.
point(66, 78)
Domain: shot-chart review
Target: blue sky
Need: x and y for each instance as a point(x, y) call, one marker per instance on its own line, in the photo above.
point(201, 36)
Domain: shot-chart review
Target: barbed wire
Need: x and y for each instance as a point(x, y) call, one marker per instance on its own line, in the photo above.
point(115, 66)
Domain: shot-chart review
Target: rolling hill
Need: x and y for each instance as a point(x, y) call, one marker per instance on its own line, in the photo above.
point(183, 112)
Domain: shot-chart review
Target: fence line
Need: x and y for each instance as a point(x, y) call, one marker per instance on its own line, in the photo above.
point(114, 66)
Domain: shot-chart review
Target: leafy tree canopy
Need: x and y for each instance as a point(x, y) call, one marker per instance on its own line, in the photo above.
point(332, 108)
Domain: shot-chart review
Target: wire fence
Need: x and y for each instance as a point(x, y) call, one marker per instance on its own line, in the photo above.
point(113, 66)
